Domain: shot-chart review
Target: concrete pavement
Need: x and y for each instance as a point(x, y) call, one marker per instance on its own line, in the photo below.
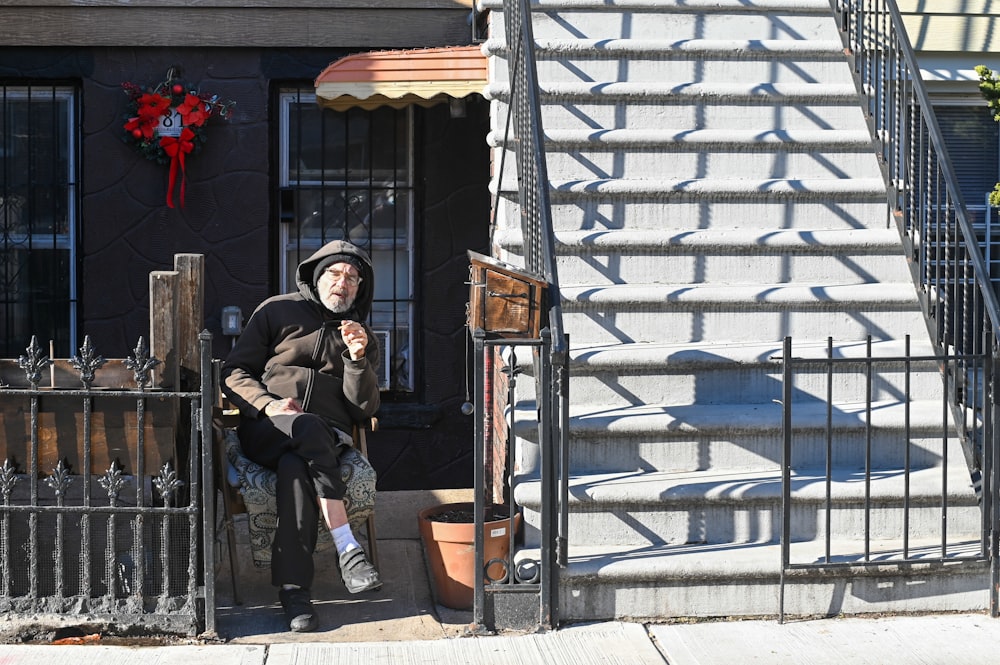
point(951, 639)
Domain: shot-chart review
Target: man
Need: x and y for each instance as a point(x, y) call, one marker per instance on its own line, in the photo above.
point(301, 373)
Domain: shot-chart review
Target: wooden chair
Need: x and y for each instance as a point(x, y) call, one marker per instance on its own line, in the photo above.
point(250, 488)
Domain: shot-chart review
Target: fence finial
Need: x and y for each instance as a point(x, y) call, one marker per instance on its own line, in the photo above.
point(141, 363)
point(87, 362)
point(33, 363)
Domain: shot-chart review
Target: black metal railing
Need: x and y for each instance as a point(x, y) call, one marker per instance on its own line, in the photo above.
point(946, 258)
point(502, 601)
point(884, 468)
point(106, 493)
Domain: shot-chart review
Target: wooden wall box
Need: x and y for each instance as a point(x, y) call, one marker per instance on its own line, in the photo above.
point(505, 301)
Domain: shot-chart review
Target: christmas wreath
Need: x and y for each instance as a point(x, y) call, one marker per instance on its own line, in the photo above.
point(167, 123)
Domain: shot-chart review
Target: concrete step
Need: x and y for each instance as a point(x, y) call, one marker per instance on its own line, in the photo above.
point(702, 356)
point(653, 22)
point(730, 383)
point(661, 46)
point(753, 450)
point(682, 6)
point(766, 140)
point(673, 581)
point(735, 373)
point(693, 103)
point(677, 313)
point(730, 373)
point(677, 214)
point(706, 204)
point(741, 437)
point(652, 162)
point(723, 154)
point(763, 189)
point(751, 297)
point(655, 508)
point(655, 60)
point(725, 255)
point(671, 216)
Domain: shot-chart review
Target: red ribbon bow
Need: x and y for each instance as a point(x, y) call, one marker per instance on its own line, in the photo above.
point(176, 149)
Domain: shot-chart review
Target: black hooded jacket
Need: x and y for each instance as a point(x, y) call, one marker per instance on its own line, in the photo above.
point(291, 347)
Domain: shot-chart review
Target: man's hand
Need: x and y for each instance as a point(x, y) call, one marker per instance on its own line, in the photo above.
point(286, 405)
point(355, 337)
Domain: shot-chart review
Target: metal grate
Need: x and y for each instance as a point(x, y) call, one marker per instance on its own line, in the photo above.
point(38, 213)
point(348, 175)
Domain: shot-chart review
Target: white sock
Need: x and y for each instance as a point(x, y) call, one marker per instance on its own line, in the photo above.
point(288, 587)
point(344, 539)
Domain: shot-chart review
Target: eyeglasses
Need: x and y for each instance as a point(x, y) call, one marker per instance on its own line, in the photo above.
point(337, 275)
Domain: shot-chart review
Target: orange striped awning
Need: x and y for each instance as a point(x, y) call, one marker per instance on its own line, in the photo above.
point(399, 78)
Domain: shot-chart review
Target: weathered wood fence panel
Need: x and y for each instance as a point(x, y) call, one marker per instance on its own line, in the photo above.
point(104, 474)
point(114, 426)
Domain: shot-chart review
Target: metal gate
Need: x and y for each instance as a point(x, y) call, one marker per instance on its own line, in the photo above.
point(862, 450)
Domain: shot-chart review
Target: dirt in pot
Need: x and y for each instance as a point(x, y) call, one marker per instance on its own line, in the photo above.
point(466, 516)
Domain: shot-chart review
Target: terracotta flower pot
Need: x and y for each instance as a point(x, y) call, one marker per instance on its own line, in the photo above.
point(451, 551)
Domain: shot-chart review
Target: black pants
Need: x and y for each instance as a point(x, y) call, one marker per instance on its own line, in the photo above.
point(305, 453)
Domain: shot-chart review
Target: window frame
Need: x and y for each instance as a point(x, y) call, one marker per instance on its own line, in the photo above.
point(972, 102)
point(69, 94)
point(289, 246)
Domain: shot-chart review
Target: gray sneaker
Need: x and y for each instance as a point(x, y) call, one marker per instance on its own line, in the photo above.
point(357, 572)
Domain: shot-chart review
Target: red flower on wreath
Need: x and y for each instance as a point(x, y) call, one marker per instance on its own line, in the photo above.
point(150, 108)
point(192, 111)
point(167, 123)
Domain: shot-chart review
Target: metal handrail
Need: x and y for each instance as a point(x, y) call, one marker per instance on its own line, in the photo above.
point(946, 257)
point(539, 250)
point(890, 80)
point(550, 350)
point(536, 211)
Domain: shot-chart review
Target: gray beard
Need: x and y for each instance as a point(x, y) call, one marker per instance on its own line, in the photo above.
point(343, 306)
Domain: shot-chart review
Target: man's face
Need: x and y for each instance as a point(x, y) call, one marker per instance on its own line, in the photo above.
point(338, 287)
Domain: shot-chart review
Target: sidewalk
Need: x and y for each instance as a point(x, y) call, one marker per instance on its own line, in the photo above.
point(950, 639)
point(944, 639)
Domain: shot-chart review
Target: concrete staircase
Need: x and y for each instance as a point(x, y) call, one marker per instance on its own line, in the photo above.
point(714, 188)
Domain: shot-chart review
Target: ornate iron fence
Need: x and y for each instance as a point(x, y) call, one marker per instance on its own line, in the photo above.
point(106, 488)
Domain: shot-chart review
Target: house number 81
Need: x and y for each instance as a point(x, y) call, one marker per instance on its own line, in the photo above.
point(170, 125)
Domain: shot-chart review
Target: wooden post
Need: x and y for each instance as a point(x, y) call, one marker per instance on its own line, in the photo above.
point(190, 314)
point(164, 343)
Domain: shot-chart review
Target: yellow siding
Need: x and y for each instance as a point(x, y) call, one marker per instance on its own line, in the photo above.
point(974, 7)
point(951, 33)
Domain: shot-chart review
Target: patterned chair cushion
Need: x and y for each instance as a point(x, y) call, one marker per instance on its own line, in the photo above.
point(258, 487)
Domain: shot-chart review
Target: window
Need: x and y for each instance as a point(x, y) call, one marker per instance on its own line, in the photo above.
point(38, 236)
point(349, 176)
point(973, 140)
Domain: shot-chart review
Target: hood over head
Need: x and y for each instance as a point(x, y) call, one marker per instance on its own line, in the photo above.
point(306, 273)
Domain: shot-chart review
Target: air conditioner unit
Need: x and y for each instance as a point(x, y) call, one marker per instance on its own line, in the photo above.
point(384, 367)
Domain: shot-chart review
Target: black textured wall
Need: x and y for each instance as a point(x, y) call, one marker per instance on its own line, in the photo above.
point(127, 230)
